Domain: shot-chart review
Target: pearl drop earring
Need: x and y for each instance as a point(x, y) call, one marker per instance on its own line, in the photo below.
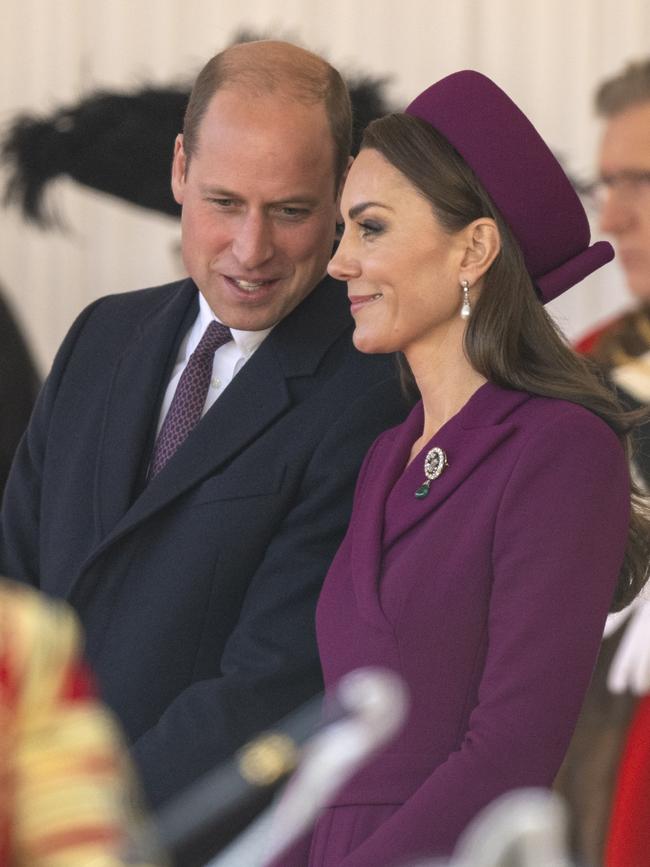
point(466, 308)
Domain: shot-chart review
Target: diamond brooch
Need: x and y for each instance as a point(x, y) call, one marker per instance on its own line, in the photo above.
point(434, 464)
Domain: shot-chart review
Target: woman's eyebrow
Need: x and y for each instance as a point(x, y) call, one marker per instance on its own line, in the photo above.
point(354, 212)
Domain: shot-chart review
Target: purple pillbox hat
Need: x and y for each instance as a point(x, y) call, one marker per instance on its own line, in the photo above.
point(521, 175)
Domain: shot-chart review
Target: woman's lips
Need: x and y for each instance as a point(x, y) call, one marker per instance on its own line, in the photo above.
point(359, 301)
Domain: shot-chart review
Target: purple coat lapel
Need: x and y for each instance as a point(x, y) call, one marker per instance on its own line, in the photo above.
point(467, 439)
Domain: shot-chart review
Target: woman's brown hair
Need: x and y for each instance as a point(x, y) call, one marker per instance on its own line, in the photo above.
point(510, 338)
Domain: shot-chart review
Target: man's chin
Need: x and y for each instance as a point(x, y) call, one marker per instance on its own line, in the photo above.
point(253, 318)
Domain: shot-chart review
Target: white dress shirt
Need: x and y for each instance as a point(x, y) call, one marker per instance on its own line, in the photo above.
point(228, 359)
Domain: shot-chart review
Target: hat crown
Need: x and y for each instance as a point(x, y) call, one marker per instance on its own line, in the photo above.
point(520, 173)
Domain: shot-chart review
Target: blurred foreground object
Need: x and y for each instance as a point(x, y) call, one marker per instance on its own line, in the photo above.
point(325, 746)
point(67, 796)
point(377, 703)
point(523, 828)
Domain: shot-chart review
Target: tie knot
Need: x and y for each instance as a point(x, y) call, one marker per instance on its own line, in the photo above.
point(214, 336)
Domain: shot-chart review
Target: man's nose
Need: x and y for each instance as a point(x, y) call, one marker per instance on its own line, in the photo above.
point(616, 214)
point(252, 244)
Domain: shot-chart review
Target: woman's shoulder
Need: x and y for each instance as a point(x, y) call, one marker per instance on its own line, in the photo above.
point(563, 427)
point(566, 459)
point(533, 415)
point(555, 409)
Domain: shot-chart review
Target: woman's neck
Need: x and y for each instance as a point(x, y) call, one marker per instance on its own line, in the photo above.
point(446, 381)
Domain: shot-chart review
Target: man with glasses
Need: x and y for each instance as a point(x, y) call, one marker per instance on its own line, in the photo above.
point(624, 161)
point(606, 753)
point(623, 195)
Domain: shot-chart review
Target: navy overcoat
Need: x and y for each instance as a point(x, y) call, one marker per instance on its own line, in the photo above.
point(197, 590)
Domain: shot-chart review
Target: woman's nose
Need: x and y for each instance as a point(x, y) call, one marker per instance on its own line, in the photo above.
point(342, 265)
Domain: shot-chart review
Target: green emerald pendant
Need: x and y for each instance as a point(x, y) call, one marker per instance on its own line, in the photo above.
point(434, 465)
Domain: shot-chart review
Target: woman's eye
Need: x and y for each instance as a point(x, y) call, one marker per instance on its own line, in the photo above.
point(369, 228)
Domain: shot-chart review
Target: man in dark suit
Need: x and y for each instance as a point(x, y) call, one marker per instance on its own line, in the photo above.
point(194, 554)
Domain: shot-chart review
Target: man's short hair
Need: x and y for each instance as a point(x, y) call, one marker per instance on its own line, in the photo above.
point(267, 66)
point(630, 87)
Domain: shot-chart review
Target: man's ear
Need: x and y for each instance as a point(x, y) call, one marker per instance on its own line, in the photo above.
point(179, 169)
point(483, 244)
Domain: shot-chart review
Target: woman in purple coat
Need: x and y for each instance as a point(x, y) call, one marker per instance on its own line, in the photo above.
point(493, 530)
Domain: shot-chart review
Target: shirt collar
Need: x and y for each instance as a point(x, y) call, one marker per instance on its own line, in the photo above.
point(246, 341)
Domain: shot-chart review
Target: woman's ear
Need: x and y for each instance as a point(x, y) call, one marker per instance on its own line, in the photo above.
point(483, 244)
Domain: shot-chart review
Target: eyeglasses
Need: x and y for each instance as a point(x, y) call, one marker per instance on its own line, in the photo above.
point(630, 185)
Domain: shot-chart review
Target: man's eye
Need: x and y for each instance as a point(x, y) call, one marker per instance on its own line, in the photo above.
point(292, 213)
point(222, 203)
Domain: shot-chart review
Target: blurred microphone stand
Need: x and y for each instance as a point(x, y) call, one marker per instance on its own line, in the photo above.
point(523, 828)
point(375, 703)
point(324, 743)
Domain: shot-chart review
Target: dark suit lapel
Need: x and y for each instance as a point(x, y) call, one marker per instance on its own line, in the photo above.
point(133, 402)
point(254, 399)
point(244, 410)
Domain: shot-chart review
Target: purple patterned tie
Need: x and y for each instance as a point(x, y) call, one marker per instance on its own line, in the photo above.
point(189, 399)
